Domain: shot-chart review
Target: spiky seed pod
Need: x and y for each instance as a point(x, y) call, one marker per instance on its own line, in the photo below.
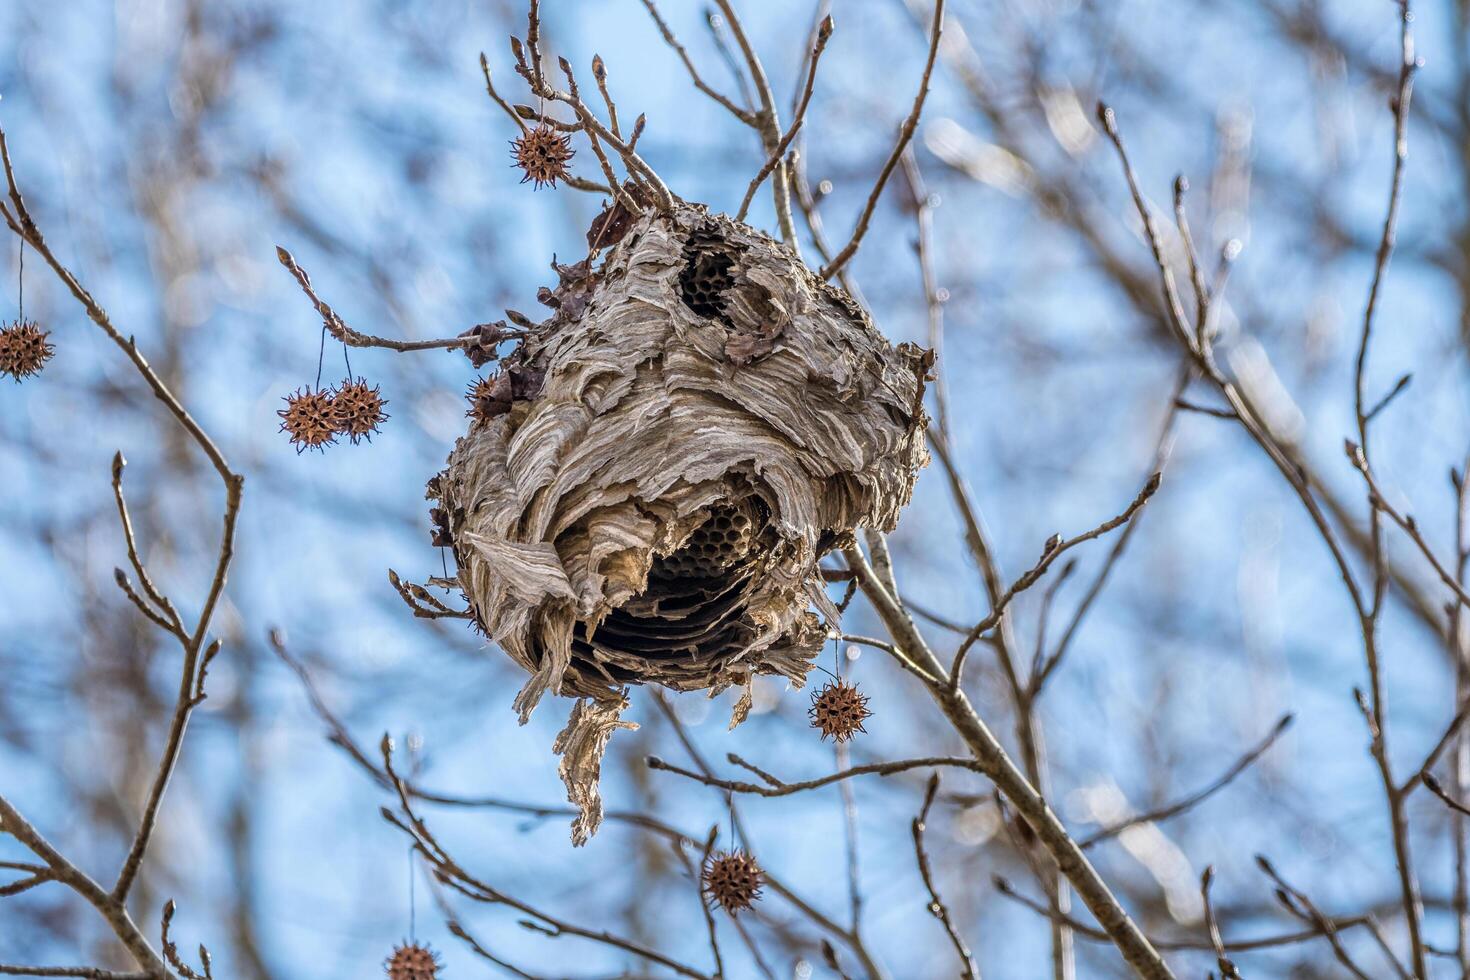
point(310, 419)
point(359, 408)
point(486, 400)
point(699, 420)
point(732, 880)
point(839, 710)
point(23, 349)
point(543, 153)
point(412, 961)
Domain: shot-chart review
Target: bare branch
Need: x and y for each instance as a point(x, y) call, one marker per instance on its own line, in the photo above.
point(936, 904)
point(451, 874)
point(1227, 967)
point(86, 972)
point(996, 763)
point(1199, 796)
point(1298, 904)
point(63, 871)
point(1433, 785)
point(824, 32)
point(1163, 449)
point(599, 74)
point(704, 906)
point(171, 950)
point(112, 906)
point(495, 96)
point(1095, 934)
point(21, 222)
point(1432, 759)
point(1382, 403)
point(1054, 548)
point(1405, 521)
point(767, 122)
point(1219, 413)
point(905, 133)
point(339, 329)
point(699, 83)
point(778, 787)
point(165, 608)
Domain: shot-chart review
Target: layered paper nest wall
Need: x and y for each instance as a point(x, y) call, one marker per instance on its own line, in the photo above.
point(661, 465)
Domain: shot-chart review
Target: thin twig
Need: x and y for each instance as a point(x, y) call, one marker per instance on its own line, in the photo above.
point(1163, 449)
point(599, 75)
point(1227, 966)
point(779, 787)
point(1460, 763)
point(1367, 606)
point(622, 195)
point(1240, 405)
point(1432, 759)
point(854, 942)
point(1219, 413)
point(923, 204)
point(86, 972)
point(166, 610)
point(451, 874)
point(1406, 523)
point(635, 164)
point(495, 96)
point(704, 905)
point(112, 905)
point(823, 34)
point(339, 329)
point(1398, 389)
point(1054, 548)
point(1298, 904)
point(905, 133)
point(339, 736)
point(1095, 934)
point(936, 904)
point(1199, 796)
point(1432, 784)
point(845, 790)
point(1196, 278)
point(113, 911)
point(743, 115)
point(767, 122)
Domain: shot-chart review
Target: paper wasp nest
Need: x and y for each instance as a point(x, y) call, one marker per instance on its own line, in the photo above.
point(655, 472)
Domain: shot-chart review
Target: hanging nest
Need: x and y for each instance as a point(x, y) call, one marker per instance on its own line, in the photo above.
point(648, 484)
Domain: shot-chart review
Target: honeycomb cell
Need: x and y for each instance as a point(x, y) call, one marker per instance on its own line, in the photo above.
point(721, 543)
point(707, 274)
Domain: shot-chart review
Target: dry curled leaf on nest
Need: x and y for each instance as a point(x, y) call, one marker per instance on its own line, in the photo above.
point(663, 464)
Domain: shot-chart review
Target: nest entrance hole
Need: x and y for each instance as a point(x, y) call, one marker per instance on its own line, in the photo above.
point(693, 604)
point(708, 271)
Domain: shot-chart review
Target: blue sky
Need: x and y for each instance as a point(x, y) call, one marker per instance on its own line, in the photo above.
point(388, 175)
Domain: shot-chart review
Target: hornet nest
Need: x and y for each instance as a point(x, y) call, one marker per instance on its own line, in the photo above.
point(648, 484)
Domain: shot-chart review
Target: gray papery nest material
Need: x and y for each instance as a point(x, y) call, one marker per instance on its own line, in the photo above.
point(647, 488)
